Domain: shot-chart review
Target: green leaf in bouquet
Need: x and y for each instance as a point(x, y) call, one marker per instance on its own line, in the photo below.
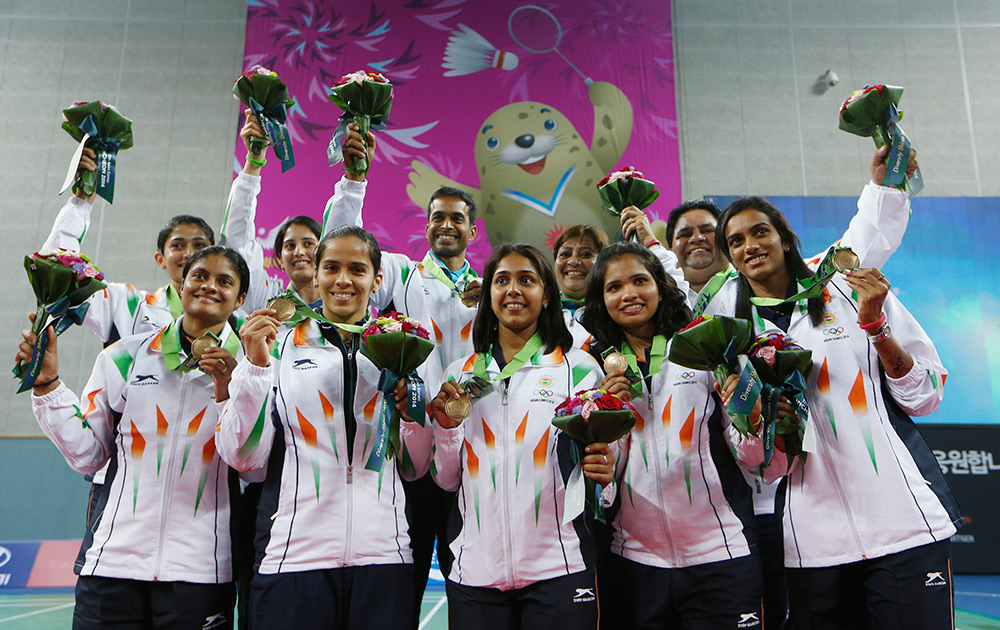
point(399, 351)
point(785, 362)
point(865, 114)
point(711, 343)
point(50, 280)
point(603, 426)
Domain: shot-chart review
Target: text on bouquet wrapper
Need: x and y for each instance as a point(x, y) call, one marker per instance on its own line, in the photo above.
point(965, 462)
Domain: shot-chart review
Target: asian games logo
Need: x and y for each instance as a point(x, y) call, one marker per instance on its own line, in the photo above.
point(543, 392)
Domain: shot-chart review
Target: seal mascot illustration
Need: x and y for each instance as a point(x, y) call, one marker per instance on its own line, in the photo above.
point(537, 175)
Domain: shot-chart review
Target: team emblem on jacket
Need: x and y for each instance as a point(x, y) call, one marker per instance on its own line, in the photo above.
point(145, 379)
point(833, 333)
point(304, 364)
point(543, 391)
point(829, 318)
point(685, 377)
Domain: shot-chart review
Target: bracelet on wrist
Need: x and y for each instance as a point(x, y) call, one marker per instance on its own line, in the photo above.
point(46, 383)
point(875, 324)
point(250, 160)
point(653, 243)
point(882, 334)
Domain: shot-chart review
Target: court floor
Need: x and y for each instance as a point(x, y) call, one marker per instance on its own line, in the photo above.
point(977, 600)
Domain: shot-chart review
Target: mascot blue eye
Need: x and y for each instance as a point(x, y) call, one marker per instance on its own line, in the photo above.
point(550, 125)
point(492, 143)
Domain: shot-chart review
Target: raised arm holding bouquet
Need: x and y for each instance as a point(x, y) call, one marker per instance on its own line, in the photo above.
point(102, 128)
point(267, 97)
point(874, 111)
point(366, 98)
point(624, 188)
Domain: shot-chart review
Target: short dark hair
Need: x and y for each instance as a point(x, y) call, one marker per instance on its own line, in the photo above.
point(793, 258)
point(279, 238)
point(457, 193)
point(237, 262)
point(594, 233)
point(551, 325)
point(363, 235)
point(672, 313)
point(684, 208)
point(183, 219)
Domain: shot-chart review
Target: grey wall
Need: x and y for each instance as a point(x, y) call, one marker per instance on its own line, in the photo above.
point(749, 122)
point(169, 65)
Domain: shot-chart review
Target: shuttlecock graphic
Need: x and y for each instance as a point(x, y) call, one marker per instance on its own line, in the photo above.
point(469, 52)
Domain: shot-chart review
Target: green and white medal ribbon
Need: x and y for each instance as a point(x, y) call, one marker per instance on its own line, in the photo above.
point(171, 344)
point(483, 360)
point(173, 301)
point(656, 354)
point(710, 289)
point(833, 262)
point(433, 268)
point(303, 311)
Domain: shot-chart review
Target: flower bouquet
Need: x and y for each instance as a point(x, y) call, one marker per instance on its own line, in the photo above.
point(624, 188)
point(397, 345)
point(783, 367)
point(366, 98)
point(62, 282)
point(873, 111)
point(590, 416)
point(267, 97)
point(103, 128)
point(720, 344)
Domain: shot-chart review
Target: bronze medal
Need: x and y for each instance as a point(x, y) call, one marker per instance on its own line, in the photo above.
point(615, 363)
point(201, 344)
point(845, 260)
point(458, 408)
point(283, 307)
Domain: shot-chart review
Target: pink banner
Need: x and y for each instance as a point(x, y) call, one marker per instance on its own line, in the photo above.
point(524, 106)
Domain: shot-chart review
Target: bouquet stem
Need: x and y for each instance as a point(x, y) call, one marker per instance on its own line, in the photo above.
point(360, 165)
point(38, 329)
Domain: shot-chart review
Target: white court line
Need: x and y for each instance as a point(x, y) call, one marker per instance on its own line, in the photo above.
point(36, 612)
point(426, 620)
point(971, 593)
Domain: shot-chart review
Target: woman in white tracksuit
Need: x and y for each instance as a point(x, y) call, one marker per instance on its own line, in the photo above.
point(683, 544)
point(868, 516)
point(332, 543)
point(518, 563)
point(158, 555)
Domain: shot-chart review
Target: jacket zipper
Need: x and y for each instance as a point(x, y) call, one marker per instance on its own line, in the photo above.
point(659, 480)
point(349, 405)
point(508, 544)
point(168, 481)
point(843, 501)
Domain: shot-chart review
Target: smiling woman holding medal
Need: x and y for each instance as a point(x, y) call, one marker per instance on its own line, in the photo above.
point(332, 538)
point(516, 563)
point(868, 514)
point(162, 535)
point(681, 552)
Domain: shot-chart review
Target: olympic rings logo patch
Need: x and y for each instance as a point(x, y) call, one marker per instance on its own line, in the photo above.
point(833, 332)
point(686, 375)
point(545, 393)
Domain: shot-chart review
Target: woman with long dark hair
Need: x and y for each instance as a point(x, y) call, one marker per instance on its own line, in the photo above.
point(156, 552)
point(682, 549)
point(868, 514)
point(517, 562)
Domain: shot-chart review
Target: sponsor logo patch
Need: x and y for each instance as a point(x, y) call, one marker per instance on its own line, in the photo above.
point(584, 595)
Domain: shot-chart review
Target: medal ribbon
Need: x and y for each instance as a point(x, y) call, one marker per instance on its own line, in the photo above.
point(483, 359)
point(171, 345)
point(435, 270)
point(710, 289)
point(173, 301)
point(656, 354)
point(302, 311)
point(813, 285)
